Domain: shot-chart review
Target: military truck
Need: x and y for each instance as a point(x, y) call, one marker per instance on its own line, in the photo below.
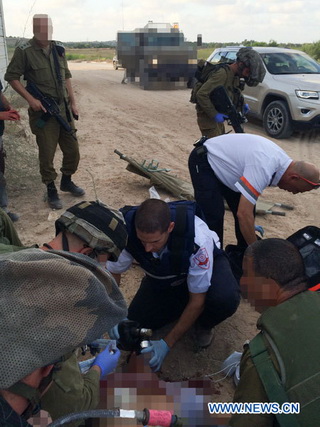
point(157, 56)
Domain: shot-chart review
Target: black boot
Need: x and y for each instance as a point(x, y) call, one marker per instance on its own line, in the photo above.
point(68, 185)
point(53, 198)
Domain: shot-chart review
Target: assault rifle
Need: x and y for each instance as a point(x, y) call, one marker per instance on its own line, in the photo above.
point(222, 103)
point(52, 108)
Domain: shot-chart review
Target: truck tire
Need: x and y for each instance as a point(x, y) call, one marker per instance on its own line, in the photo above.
point(277, 120)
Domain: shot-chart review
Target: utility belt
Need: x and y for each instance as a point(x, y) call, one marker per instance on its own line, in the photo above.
point(165, 282)
point(200, 149)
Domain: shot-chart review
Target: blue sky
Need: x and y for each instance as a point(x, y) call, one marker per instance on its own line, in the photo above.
point(217, 20)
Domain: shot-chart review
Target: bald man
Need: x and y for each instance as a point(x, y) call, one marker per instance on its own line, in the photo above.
point(237, 168)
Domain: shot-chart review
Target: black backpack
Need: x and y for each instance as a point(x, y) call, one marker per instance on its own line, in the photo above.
point(307, 240)
point(203, 72)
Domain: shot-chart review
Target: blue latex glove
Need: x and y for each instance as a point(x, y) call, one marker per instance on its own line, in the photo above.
point(259, 229)
point(107, 360)
point(114, 332)
point(220, 118)
point(160, 349)
point(246, 108)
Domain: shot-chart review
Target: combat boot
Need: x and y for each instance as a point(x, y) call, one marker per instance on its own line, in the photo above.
point(69, 186)
point(53, 198)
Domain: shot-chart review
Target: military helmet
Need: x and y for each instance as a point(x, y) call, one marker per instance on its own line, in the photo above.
point(51, 302)
point(252, 60)
point(100, 227)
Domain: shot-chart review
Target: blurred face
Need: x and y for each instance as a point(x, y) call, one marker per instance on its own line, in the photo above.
point(245, 72)
point(42, 29)
point(259, 291)
point(154, 242)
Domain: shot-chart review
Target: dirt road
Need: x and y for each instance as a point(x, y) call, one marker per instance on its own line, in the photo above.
point(147, 125)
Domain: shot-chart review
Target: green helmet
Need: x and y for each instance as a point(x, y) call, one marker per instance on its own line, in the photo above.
point(51, 302)
point(252, 60)
point(99, 226)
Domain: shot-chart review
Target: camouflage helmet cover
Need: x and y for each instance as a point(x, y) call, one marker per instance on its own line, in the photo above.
point(99, 226)
point(252, 60)
point(51, 302)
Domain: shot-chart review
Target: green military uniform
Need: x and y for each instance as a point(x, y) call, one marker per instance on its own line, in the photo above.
point(293, 327)
point(206, 111)
point(71, 391)
point(37, 65)
point(8, 234)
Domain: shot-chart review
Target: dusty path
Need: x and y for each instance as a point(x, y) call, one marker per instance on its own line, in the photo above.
point(147, 125)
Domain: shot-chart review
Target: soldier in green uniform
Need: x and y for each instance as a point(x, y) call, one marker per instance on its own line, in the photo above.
point(249, 67)
point(9, 239)
point(283, 360)
point(51, 303)
point(92, 229)
point(43, 63)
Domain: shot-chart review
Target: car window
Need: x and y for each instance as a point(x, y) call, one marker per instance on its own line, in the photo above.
point(231, 56)
point(290, 63)
point(216, 57)
point(222, 56)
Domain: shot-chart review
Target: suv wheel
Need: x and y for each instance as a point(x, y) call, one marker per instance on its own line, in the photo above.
point(277, 121)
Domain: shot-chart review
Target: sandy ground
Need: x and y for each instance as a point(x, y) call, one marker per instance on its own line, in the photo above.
point(146, 125)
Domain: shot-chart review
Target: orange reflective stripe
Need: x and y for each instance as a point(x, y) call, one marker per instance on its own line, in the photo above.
point(315, 287)
point(250, 187)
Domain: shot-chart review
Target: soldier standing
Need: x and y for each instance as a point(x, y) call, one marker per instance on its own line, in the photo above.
point(43, 63)
point(248, 66)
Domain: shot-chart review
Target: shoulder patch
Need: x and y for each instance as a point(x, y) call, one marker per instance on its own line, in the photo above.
point(202, 259)
point(60, 48)
point(24, 45)
point(60, 44)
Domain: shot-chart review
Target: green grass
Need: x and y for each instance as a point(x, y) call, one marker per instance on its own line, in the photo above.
point(204, 53)
point(87, 54)
point(90, 54)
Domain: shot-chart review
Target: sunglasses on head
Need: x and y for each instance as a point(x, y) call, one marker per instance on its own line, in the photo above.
point(314, 184)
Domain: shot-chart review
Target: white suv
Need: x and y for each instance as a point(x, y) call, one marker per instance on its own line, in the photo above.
point(289, 96)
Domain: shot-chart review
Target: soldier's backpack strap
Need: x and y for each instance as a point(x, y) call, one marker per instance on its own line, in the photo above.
point(178, 241)
point(271, 380)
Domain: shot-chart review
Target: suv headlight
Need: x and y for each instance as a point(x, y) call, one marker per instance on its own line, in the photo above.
point(307, 94)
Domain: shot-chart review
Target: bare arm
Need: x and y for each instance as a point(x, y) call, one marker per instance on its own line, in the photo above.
point(246, 220)
point(34, 103)
point(117, 278)
point(190, 314)
point(71, 97)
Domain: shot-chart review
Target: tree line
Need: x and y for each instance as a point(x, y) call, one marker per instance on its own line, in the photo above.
point(312, 49)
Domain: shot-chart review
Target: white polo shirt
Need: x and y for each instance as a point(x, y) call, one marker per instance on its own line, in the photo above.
point(247, 163)
point(201, 263)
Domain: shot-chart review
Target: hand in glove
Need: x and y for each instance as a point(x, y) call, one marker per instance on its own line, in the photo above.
point(220, 118)
point(245, 108)
point(107, 360)
point(259, 229)
point(114, 332)
point(160, 349)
